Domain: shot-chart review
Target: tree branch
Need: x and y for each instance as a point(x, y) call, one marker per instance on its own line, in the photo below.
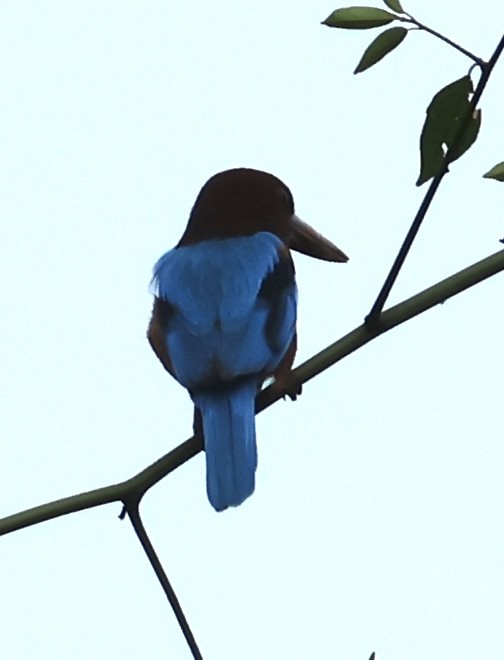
point(140, 483)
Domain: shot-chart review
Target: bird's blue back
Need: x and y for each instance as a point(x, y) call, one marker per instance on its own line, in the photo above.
point(217, 330)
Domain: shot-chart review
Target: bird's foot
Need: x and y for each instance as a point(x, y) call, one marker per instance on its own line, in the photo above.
point(287, 387)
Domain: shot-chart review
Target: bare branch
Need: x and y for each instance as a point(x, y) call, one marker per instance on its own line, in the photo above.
point(136, 521)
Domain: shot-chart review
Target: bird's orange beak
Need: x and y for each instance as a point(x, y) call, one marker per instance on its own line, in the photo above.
point(305, 239)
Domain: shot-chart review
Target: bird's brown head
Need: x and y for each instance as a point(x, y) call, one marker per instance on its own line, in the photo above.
point(242, 202)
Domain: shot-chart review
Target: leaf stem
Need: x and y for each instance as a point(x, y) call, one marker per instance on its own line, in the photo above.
point(410, 19)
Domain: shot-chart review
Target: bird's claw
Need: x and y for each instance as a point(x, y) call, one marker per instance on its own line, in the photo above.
point(287, 388)
point(293, 391)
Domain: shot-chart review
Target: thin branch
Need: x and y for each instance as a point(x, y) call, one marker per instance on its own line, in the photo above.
point(136, 521)
point(453, 44)
point(403, 252)
point(62, 507)
point(136, 486)
point(139, 484)
point(376, 309)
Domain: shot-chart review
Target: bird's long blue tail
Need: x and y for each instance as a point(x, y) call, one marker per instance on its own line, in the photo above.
point(230, 443)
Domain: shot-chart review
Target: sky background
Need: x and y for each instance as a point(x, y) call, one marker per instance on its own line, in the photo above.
point(377, 522)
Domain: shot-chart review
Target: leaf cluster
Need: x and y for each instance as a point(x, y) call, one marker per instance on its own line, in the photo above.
point(453, 122)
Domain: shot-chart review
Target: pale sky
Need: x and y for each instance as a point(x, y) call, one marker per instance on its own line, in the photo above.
point(377, 521)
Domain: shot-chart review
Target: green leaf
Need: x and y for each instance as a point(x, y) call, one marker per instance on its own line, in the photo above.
point(468, 138)
point(381, 46)
point(395, 5)
point(447, 110)
point(497, 172)
point(359, 18)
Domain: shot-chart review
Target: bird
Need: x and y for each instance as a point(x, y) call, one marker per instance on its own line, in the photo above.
point(224, 314)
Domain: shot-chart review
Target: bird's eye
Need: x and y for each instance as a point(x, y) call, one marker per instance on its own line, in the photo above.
point(287, 200)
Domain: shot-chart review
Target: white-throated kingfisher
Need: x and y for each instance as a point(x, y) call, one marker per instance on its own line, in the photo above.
point(224, 316)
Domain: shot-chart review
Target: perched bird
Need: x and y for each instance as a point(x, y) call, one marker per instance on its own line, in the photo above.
point(224, 316)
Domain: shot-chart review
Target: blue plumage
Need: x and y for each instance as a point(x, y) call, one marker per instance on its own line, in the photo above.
point(217, 331)
point(224, 337)
point(230, 443)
